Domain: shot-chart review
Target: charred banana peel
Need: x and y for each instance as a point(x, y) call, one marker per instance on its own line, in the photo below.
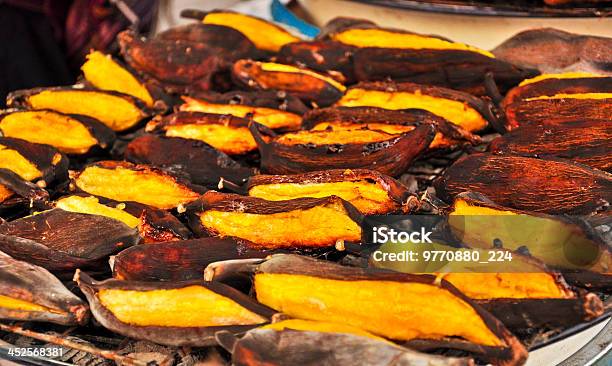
point(337, 347)
point(519, 314)
point(171, 313)
point(559, 97)
point(547, 186)
point(364, 148)
point(559, 109)
point(31, 293)
point(174, 74)
point(310, 289)
point(328, 57)
point(275, 119)
point(154, 225)
point(463, 109)
point(584, 141)
point(190, 66)
point(116, 110)
point(296, 223)
point(70, 134)
point(16, 192)
point(552, 50)
point(370, 192)
point(122, 181)
point(200, 162)
point(188, 58)
point(177, 260)
point(225, 42)
point(563, 243)
point(308, 85)
point(33, 162)
point(59, 240)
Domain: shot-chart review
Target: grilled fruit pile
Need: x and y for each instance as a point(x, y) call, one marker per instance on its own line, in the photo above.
point(557, 98)
point(214, 185)
point(363, 51)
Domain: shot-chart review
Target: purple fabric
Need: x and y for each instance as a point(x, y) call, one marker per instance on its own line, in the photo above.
point(82, 25)
point(94, 24)
point(54, 10)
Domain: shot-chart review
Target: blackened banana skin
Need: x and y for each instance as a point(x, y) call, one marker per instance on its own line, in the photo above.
point(63, 99)
point(61, 241)
point(48, 299)
point(292, 347)
point(448, 133)
point(547, 186)
point(102, 136)
point(390, 157)
point(191, 68)
point(311, 87)
point(551, 86)
point(560, 110)
point(324, 56)
point(269, 275)
point(18, 194)
point(177, 260)
point(399, 199)
point(584, 141)
point(171, 335)
point(552, 50)
point(52, 164)
point(200, 162)
point(214, 212)
point(455, 69)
